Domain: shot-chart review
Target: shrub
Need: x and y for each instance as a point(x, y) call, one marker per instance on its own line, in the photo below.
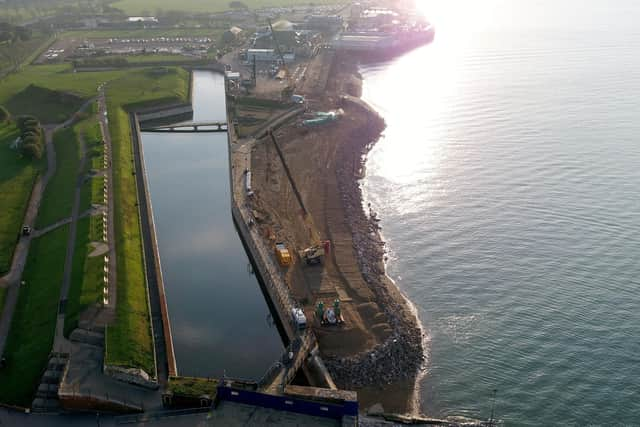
point(32, 151)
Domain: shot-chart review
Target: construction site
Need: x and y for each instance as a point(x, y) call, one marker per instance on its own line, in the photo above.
point(296, 184)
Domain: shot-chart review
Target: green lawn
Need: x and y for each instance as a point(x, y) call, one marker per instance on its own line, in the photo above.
point(192, 386)
point(59, 78)
point(87, 273)
point(33, 327)
point(129, 341)
point(92, 189)
point(22, 51)
point(137, 7)
point(17, 176)
point(49, 106)
point(92, 193)
point(58, 196)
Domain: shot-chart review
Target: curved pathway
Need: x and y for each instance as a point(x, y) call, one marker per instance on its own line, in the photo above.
point(11, 280)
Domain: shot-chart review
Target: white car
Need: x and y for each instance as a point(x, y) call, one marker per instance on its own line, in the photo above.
point(299, 318)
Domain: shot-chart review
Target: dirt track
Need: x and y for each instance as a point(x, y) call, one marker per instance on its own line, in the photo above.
point(379, 344)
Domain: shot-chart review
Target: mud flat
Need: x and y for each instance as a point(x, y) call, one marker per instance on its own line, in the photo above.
point(378, 351)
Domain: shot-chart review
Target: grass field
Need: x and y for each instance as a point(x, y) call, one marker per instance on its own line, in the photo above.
point(137, 7)
point(92, 189)
point(60, 78)
point(49, 106)
point(129, 341)
point(193, 387)
point(87, 273)
point(17, 176)
point(33, 327)
point(58, 195)
point(23, 51)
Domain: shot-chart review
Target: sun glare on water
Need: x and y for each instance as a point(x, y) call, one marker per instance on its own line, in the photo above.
point(420, 141)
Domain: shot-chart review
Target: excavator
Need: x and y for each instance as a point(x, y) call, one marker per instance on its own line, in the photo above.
point(315, 253)
point(287, 92)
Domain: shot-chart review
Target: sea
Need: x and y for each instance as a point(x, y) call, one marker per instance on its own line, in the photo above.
point(507, 182)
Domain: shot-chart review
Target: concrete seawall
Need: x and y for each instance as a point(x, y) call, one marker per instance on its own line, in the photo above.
point(161, 326)
point(266, 267)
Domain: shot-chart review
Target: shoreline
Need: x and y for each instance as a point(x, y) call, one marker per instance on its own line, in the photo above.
point(400, 360)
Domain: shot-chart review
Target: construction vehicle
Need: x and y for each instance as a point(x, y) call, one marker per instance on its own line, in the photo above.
point(290, 88)
point(283, 255)
point(298, 317)
point(316, 253)
point(331, 315)
point(319, 248)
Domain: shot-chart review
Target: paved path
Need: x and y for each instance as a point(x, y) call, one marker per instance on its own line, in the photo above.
point(12, 279)
point(50, 228)
point(60, 344)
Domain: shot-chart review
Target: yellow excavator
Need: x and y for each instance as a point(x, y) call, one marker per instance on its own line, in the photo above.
point(315, 253)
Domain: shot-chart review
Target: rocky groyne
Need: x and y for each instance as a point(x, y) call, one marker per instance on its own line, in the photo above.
point(400, 357)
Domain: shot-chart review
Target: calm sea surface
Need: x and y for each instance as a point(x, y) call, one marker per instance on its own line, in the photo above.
point(508, 185)
point(219, 317)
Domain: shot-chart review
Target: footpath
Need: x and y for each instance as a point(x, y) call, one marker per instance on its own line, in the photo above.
point(11, 280)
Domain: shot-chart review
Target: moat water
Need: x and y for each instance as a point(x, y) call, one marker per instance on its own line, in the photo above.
point(507, 183)
point(219, 318)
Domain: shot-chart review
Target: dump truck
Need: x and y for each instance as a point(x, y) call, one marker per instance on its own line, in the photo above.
point(282, 254)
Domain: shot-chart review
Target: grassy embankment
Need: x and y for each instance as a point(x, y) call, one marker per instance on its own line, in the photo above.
point(136, 7)
point(193, 387)
point(49, 107)
point(87, 271)
point(128, 341)
point(57, 199)
point(17, 176)
point(31, 336)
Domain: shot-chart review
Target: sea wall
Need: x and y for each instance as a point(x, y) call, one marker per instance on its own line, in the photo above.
point(155, 281)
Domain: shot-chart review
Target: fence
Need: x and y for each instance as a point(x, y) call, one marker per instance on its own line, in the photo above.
point(288, 403)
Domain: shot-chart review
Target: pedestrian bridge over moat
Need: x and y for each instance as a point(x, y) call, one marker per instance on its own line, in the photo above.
point(188, 127)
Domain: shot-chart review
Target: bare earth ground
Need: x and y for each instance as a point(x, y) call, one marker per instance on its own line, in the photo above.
point(378, 350)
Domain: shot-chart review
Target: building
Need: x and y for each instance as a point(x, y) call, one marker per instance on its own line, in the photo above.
point(143, 19)
point(232, 34)
point(261, 55)
point(324, 23)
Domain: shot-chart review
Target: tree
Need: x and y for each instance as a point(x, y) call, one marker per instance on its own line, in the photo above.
point(22, 120)
point(32, 151)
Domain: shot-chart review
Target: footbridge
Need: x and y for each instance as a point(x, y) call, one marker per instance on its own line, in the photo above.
point(188, 127)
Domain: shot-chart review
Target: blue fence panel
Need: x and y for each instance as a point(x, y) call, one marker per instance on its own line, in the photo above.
point(287, 403)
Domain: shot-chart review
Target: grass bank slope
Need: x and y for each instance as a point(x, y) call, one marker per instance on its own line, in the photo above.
point(129, 341)
point(49, 106)
point(57, 200)
point(33, 327)
point(17, 176)
point(59, 78)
